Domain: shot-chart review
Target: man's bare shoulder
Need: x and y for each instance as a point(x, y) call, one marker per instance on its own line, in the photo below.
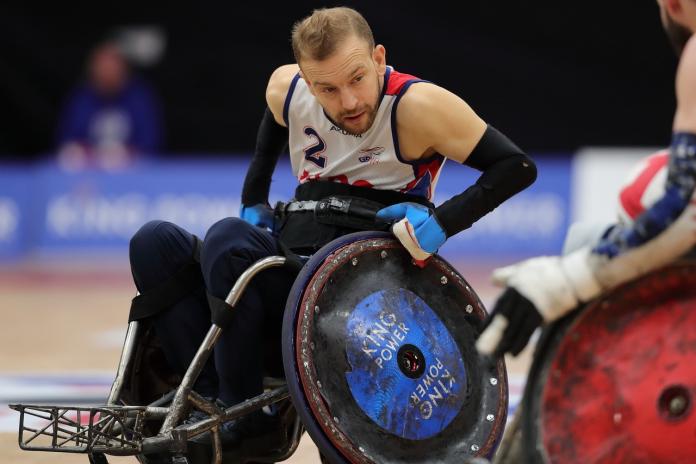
point(427, 99)
point(437, 120)
point(421, 95)
point(277, 89)
point(420, 100)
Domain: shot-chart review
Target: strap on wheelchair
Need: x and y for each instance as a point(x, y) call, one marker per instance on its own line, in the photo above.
point(317, 190)
point(304, 226)
point(293, 261)
point(352, 212)
point(220, 311)
point(171, 291)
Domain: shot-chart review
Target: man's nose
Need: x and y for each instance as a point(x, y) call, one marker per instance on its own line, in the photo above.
point(348, 100)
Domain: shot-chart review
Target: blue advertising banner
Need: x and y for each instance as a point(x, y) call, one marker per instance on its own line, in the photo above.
point(45, 209)
point(16, 210)
point(98, 209)
point(533, 222)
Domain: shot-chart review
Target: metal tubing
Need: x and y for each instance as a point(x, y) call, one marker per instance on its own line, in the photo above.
point(173, 439)
point(217, 446)
point(163, 444)
point(177, 408)
point(244, 279)
point(153, 412)
point(295, 435)
point(124, 363)
point(236, 411)
point(204, 405)
point(217, 416)
point(178, 404)
point(257, 402)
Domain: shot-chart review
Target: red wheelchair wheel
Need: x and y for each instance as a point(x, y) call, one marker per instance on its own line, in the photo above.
point(616, 381)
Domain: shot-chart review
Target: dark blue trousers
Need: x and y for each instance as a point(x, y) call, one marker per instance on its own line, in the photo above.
point(250, 346)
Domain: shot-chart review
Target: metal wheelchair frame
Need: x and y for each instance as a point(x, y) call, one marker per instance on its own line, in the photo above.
point(118, 430)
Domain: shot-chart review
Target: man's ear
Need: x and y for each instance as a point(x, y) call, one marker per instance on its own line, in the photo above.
point(379, 57)
point(674, 8)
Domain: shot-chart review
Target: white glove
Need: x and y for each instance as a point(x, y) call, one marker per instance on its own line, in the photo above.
point(555, 284)
point(544, 289)
point(539, 290)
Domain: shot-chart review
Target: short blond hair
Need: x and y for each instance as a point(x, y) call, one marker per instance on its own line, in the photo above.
point(317, 36)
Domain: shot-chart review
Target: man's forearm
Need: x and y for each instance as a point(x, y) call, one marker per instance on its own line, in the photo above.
point(679, 186)
point(271, 140)
point(506, 171)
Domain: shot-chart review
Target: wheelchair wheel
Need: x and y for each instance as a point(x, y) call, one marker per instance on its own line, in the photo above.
point(615, 381)
point(380, 359)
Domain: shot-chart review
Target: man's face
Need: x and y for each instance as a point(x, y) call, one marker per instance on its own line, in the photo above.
point(108, 70)
point(348, 83)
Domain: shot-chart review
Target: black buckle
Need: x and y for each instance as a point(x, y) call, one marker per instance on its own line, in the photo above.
point(332, 205)
point(279, 211)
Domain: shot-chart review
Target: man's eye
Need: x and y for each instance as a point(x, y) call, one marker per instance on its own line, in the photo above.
point(358, 79)
point(328, 90)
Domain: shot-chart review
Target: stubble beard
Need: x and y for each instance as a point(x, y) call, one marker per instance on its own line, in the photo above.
point(371, 112)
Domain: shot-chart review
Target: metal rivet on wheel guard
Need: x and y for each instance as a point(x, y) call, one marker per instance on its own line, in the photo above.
point(392, 335)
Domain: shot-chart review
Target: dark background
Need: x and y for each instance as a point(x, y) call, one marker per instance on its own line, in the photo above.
point(553, 75)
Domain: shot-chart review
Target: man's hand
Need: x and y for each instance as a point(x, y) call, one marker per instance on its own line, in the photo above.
point(416, 227)
point(510, 326)
point(259, 215)
point(539, 290)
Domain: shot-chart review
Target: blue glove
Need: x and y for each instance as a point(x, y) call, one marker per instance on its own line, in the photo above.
point(259, 215)
point(421, 223)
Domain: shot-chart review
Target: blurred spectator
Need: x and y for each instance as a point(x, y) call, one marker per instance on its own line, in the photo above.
point(111, 118)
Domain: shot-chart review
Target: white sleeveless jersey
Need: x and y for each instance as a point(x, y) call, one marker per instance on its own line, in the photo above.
point(319, 150)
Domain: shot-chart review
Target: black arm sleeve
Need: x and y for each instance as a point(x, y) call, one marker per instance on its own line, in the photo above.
point(271, 140)
point(506, 171)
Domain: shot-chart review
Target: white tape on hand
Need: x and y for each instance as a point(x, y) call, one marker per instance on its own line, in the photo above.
point(490, 338)
point(501, 275)
point(403, 231)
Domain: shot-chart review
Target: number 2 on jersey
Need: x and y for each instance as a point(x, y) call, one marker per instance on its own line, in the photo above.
point(314, 151)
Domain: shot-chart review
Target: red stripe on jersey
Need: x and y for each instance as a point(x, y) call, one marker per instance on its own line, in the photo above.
point(397, 80)
point(426, 173)
point(363, 183)
point(632, 194)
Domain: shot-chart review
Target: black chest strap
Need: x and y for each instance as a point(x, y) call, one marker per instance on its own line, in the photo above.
point(323, 211)
point(317, 190)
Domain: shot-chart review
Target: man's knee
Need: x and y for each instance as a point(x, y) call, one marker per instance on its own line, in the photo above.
point(233, 237)
point(230, 247)
point(229, 227)
point(164, 267)
point(149, 236)
point(158, 245)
